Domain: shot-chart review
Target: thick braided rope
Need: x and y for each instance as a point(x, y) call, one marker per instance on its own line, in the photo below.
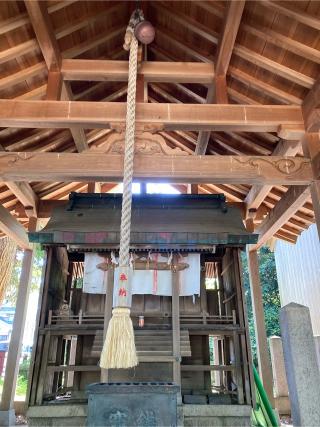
point(128, 156)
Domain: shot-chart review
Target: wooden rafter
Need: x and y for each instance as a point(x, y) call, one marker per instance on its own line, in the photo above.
point(228, 37)
point(12, 228)
point(311, 108)
point(294, 198)
point(43, 29)
point(292, 12)
point(239, 51)
point(194, 40)
point(23, 18)
point(217, 92)
point(25, 194)
point(191, 169)
point(42, 26)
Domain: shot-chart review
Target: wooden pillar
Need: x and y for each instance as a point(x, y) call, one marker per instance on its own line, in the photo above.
point(259, 324)
point(176, 324)
point(311, 149)
point(107, 315)
point(94, 187)
point(315, 195)
point(40, 322)
point(14, 352)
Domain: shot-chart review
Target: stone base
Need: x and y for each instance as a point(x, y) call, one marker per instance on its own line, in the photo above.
point(57, 415)
point(217, 415)
point(282, 404)
point(60, 415)
point(7, 418)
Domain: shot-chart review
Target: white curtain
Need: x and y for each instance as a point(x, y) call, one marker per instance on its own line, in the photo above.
point(152, 282)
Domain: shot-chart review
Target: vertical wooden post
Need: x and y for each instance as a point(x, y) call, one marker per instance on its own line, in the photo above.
point(176, 323)
point(54, 86)
point(311, 149)
point(259, 324)
point(38, 339)
point(14, 352)
point(245, 339)
point(107, 316)
point(94, 187)
point(315, 195)
point(194, 188)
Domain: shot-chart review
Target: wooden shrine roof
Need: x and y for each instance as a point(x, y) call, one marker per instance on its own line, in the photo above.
point(274, 61)
point(159, 222)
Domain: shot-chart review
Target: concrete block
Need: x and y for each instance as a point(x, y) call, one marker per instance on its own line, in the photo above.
point(220, 399)
point(301, 365)
point(7, 418)
point(217, 415)
point(217, 411)
point(195, 399)
point(59, 415)
point(280, 384)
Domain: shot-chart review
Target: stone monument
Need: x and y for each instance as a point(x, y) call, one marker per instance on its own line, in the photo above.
point(301, 365)
point(280, 385)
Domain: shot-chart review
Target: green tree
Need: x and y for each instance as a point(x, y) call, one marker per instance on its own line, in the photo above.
point(12, 290)
point(270, 295)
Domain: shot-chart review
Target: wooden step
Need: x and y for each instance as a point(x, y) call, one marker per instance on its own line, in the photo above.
point(149, 343)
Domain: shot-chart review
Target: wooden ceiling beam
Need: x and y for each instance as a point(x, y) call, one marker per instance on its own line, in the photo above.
point(258, 193)
point(94, 42)
point(228, 36)
point(239, 50)
point(311, 108)
point(77, 133)
point(25, 194)
point(40, 21)
point(311, 148)
point(23, 19)
point(13, 229)
point(60, 114)
point(292, 12)
point(34, 94)
point(22, 75)
point(43, 29)
point(272, 91)
point(278, 39)
point(90, 19)
point(236, 96)
point(218, 91)
point(106, 70)
point(288, 205)
point(60, 32)
point(32, 45)
point(273, 66)
point(63, 167)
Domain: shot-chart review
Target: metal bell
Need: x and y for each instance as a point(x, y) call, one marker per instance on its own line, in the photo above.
point(144, 32)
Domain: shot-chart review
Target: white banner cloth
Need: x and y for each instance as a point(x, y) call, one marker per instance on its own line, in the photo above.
point(94, 279)
point(144, 282)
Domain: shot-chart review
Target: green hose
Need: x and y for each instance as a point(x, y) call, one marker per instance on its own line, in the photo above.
point(263, 414)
